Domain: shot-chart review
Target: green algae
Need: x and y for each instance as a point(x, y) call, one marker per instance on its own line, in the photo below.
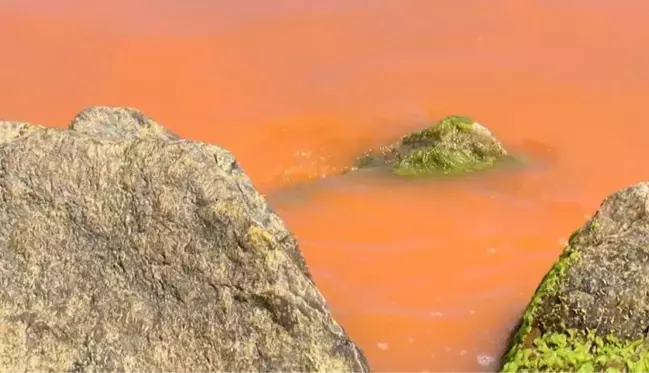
point(440, 160)
point(436, 132)
point(455, 145)
point(594, 225)
point(576, 351)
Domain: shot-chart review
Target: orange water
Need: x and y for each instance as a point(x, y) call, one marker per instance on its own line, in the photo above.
point(426, 275)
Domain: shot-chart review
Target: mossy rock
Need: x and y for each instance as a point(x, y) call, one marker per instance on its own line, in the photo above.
point(455, 145)
point(591, 311)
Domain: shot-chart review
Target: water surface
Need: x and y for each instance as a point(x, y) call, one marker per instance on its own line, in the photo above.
point(429, 275)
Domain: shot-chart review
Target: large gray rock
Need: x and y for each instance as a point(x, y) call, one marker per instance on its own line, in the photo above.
point(124, 248)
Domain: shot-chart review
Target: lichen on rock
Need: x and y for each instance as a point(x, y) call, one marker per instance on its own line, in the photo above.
point(455, 145)
point(591, 311)
point(123, 248)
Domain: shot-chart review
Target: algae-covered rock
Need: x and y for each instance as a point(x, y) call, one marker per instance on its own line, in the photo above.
point(124, 248)
point(591, 311)
point(455, 145)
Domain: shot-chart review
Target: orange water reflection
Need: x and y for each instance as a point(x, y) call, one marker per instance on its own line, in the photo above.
point(425, 276)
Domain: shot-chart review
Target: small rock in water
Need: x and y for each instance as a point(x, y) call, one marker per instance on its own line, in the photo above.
point(454, 145)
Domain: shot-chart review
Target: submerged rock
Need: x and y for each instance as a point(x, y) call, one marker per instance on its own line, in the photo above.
point(455, 145)
point(124, 248)
point(591, 311)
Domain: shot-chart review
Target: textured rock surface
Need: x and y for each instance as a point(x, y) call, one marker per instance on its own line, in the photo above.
point(591, 311)
point(455, 145)
point(123, 248)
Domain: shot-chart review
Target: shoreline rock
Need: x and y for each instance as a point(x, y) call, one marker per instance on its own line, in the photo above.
point(591, 311)
point(455, 145)
point(124, 248)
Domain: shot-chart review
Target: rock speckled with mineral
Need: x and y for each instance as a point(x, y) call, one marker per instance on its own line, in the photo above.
point(124, 248)
point(591, 311)
point(455, 145)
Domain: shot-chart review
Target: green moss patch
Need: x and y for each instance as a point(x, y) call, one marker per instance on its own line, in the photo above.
point(575, 351)
point(440, 160)
point(446, 126)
